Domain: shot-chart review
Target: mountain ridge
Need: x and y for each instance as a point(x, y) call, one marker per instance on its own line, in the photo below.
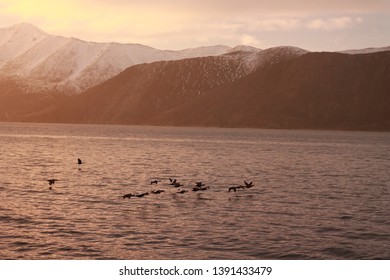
point(51, 63)
point(48, 63)
point(46, 78)
point(309, 91)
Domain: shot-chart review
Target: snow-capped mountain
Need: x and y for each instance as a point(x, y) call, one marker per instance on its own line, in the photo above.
point(45, 62)
point(284, 86)
point(39, 62)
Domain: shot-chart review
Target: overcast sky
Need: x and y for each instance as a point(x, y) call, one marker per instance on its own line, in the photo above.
point(177, 24)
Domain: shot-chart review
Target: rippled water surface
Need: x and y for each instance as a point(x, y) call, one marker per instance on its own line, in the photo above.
point(317, 194)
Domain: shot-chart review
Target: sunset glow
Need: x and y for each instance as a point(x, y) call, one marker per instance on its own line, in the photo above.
point(244, 132)
point(313, 25)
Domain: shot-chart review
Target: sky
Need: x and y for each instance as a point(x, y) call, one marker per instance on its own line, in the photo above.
point(315, 25)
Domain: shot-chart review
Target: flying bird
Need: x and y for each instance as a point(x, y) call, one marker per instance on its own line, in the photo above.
point(79, 161)
point(52, 181)
point(248, 185)
point(128, 195)
point(200, 189)
point(141, 194)
point(157, 191)
point(177, 185)
point(181, 191)
point(199, 184)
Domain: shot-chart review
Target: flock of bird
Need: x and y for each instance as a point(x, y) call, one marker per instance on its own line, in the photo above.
point(52, 181)
point(199, 186)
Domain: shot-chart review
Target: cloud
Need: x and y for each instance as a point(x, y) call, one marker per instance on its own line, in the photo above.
point(177, 24)
point(276, 24)
point(333, 23)
point(255, 6)
point(250, 40)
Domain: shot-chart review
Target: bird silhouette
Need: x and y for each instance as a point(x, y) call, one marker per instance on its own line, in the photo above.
point(79, 161)
point(128, 195)
point(200, 189)
point(141, 194)
point(181, 191)
point(199, 184)
point(177, 185)
point(52, 181)
point(157, 191)
point(248, 185)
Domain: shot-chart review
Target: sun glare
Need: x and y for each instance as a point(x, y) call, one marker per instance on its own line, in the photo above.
point(97, 20)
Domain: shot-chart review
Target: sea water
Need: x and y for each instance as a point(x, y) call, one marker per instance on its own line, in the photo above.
point(316, 194)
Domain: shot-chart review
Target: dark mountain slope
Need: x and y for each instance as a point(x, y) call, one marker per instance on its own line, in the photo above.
point(15, 103)
point(143, 91)
point(316, 90)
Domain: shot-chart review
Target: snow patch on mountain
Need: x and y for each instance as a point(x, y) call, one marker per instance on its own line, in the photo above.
point(18, 39)
point(46, 62)
point(41, 62)
point(252, 58)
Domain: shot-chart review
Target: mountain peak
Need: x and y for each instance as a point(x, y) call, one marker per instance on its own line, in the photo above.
point(26, 27)
point(48, 62)
point(18, 39)
point(244, 48)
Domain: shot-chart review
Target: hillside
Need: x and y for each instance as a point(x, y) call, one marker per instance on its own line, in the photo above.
point(315, 91)
point(146, 90)
point(310, 90)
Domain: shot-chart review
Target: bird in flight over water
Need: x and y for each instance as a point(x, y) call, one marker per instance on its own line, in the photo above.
point(52, 181)
point(248, 185)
